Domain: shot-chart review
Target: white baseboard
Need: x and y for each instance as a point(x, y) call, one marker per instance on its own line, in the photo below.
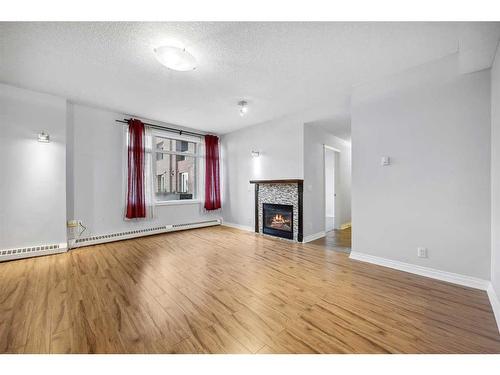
point(495, 303)
point(32, 251)
point(313, 237)
point(238, 226)
point(455, 278)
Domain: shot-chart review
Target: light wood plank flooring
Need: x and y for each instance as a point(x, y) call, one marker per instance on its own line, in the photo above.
point(222, 290)
point(337, 239)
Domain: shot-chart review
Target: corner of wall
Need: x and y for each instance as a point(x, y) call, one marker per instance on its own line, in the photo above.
point(70, 142)
point(495, 184)
point(495, 303)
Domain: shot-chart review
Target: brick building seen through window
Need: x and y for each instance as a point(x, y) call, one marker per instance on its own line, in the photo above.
point(175, 169)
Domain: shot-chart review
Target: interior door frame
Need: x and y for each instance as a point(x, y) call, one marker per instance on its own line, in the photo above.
point(325, 148)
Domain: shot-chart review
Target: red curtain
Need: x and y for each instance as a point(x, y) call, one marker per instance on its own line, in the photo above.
point(212, 182)
point(136, 200)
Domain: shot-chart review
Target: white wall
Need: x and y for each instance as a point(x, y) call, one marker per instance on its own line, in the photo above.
point(495, 175)
point(331, 171)
point(436, 193)
point(280, 143)
point(32, 174)
point(96, 189)
point(315, 137)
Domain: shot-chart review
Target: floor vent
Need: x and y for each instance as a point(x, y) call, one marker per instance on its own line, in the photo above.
point(31, 251)
point(94, 240)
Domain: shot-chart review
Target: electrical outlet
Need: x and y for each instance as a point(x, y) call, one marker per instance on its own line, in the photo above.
point(422, 252)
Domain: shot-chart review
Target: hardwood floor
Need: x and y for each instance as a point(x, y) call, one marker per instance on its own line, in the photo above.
point(337, 239)
point(222, 290)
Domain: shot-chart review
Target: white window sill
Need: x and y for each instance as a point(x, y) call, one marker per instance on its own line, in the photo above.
point(178, 202)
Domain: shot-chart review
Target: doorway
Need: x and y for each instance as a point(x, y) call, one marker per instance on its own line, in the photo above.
point(331, 182)
point(337, 233)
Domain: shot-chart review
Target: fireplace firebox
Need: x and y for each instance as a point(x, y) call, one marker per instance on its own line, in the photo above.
point(278, 220)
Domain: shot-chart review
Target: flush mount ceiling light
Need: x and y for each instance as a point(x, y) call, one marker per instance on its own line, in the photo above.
point(43, 137)
point(175, 58)
point(243, 107)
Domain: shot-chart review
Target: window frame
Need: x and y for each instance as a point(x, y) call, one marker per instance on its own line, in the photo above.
point(196, 155)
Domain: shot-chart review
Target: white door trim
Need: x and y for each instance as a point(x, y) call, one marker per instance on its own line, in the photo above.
point(331, 148)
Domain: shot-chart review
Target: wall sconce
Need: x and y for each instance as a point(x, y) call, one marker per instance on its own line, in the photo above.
point(43, 137)
point(243, 107)
point(255, 154)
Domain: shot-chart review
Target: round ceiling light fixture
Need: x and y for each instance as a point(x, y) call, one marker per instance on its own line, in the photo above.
point(175, 58)
point(243, 107)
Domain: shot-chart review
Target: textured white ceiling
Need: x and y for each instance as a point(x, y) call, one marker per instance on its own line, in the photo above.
point(279, 68)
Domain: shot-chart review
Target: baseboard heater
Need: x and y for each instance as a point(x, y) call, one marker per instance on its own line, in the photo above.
point(118, 236)
point(32, 251)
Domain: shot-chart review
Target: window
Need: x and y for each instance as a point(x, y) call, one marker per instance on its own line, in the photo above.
point(175, 168)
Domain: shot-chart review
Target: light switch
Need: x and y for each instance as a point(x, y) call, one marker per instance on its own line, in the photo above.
point(386, 160)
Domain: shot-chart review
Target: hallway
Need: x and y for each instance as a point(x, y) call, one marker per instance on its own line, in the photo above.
point(337, 239)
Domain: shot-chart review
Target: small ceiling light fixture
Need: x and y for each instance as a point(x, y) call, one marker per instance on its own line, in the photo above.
point(175, 58)
point(43, 137)
point(243, 107)
point(255, 154)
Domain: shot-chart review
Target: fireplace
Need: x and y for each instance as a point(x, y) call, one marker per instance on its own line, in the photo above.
point(279, 197)
point(278, 220)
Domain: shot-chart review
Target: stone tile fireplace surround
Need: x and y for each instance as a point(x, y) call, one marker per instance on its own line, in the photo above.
point(280, 192)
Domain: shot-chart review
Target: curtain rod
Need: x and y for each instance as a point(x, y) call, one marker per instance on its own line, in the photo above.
point(154, 126)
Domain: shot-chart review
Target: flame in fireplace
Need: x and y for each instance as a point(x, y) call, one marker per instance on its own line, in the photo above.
point(279, 219)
